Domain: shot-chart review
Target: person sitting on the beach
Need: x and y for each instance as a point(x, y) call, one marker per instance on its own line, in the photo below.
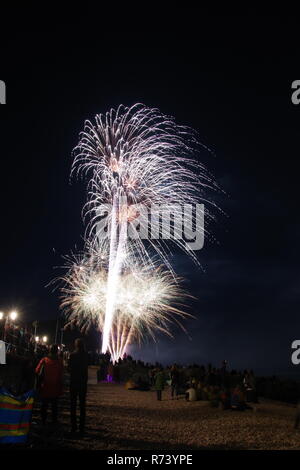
point(190, 394)
point(225, 399)
point(131, 385)
point(142, 384)
point(238, 401)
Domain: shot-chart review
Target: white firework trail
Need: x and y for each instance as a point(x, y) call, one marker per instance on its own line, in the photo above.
point(139, 155)
point(147, 301)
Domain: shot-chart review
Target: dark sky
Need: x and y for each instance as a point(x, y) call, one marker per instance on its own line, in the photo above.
point(230, 79)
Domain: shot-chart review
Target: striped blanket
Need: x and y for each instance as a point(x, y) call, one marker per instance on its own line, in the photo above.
point(15, 416)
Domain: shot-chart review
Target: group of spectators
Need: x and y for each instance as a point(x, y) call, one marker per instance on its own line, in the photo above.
point(221, 387)
point(229, 390)
point(45, 368)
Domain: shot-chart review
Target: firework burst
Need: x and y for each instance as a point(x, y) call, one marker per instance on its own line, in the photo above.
point(147, 301)
point(141, 156)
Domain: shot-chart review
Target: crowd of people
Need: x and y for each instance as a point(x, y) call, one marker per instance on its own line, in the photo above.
point(221, 387)
point(45, 369)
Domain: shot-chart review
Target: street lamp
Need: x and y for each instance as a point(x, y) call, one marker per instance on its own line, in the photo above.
point(45, 339)
point(13, 315)
point(37, 339)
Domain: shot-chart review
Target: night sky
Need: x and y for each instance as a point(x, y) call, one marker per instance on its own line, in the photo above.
point(231, 81)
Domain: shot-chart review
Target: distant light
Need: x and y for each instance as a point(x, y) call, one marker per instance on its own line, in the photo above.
point(1, 315)
point(37, 338)
point(13, 315)
point(45, 339)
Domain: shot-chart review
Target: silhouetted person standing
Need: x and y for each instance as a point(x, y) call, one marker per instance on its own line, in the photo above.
point(50, 372)
point(78, 366)
point(174, 381)
point(159, 383)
